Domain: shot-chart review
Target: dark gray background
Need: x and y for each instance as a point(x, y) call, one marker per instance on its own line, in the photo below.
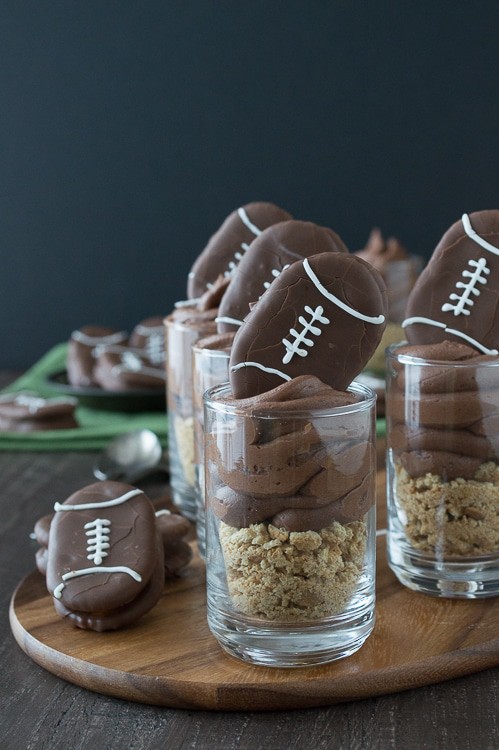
point(129, 130)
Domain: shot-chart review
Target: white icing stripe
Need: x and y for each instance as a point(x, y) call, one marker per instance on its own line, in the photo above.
point(429, 322)
point(472, 341)
point(260, 367)
point(187, 302)
point(84, 338)
point(376, 320)
point(246, 220)
point(230, 321)
point(88, 571)
point(163, 512)
point(425, 321)
point(105, 504)
point(476, 237)
point(34, 402)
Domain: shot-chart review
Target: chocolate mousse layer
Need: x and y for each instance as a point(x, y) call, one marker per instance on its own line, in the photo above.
point(295, 471)
point(443, 420)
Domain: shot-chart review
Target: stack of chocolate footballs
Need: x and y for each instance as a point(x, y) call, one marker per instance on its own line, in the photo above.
point(106, 553)
point(114, 361)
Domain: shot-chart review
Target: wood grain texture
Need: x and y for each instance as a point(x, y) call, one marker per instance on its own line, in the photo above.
point(169, 658)
point(39, 711)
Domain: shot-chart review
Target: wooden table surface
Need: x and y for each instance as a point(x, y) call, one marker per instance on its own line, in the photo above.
point(43, 712)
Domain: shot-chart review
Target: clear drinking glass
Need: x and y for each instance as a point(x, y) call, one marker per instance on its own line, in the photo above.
point(443, 475)
point(180, 337)
point(400, 276)
point(210, 367)
point(290, 534)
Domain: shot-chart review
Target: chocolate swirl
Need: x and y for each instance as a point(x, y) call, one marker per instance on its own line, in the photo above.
point(443, 420)
point(296, 471)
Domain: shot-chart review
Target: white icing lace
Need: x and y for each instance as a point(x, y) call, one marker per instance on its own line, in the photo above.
point(302, 339)
point(98, 533)
point(275, 274)
point(238, 255)
point(463, 300)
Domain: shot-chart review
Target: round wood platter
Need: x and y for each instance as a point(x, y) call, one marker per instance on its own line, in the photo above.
point(169, 658)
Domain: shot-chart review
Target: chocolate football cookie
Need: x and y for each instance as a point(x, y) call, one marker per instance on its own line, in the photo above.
point(324, 316)
point(105, 565)
point(230, 242)
point(27, 412)
point(456, 297)
point(83, 346)
point(276, 248)
point(119, 368)
point(173, 529)
point(149, 336)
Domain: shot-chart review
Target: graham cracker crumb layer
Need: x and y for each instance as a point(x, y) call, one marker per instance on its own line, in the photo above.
point(290, 576)
point(459, 518)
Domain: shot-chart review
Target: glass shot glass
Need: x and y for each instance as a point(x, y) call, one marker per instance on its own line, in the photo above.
point(210, 367)
point(180, 337)
point(400, 276)
point(443, 475)
point(290, 529)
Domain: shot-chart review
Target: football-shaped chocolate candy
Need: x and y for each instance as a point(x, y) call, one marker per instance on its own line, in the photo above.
point(105, 556)
point(149, 335)
point(119, 368)
point(275, 249)
point(172, 528)
point(83, 346)
point(322, 316)
point(456, 297)
point(28, 412)
point(229, 243)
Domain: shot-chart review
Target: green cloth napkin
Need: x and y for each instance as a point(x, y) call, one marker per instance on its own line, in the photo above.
point(97, 427)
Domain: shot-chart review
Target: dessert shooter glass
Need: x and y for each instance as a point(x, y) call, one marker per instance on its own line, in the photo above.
point(443, 475)
point(180, 337)
point(278, 597)
point(210, 367)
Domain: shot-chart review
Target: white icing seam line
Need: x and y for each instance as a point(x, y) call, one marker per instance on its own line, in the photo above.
point(88, 571)
point(476, 237)
point(35, 402)
point(424, 321)
point(428, 321)
point(105, 504)
point(376, 320)
point(85, 338)
point(246, 221)
point(187, 302)
point(271, 370)
point(229, 321)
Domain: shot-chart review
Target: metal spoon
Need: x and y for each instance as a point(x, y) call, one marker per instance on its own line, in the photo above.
point(130, 457)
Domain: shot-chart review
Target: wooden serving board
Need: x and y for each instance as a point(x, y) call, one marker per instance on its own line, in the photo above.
point(169, 658)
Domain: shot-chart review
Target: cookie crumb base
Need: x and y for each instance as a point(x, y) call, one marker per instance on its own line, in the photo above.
point(454, 519)
point(287, 576)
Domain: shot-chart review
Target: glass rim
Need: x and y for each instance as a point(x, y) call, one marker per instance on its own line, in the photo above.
point(409, 359)
point(212, 353)
point(196, 326)
point(212, 399)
